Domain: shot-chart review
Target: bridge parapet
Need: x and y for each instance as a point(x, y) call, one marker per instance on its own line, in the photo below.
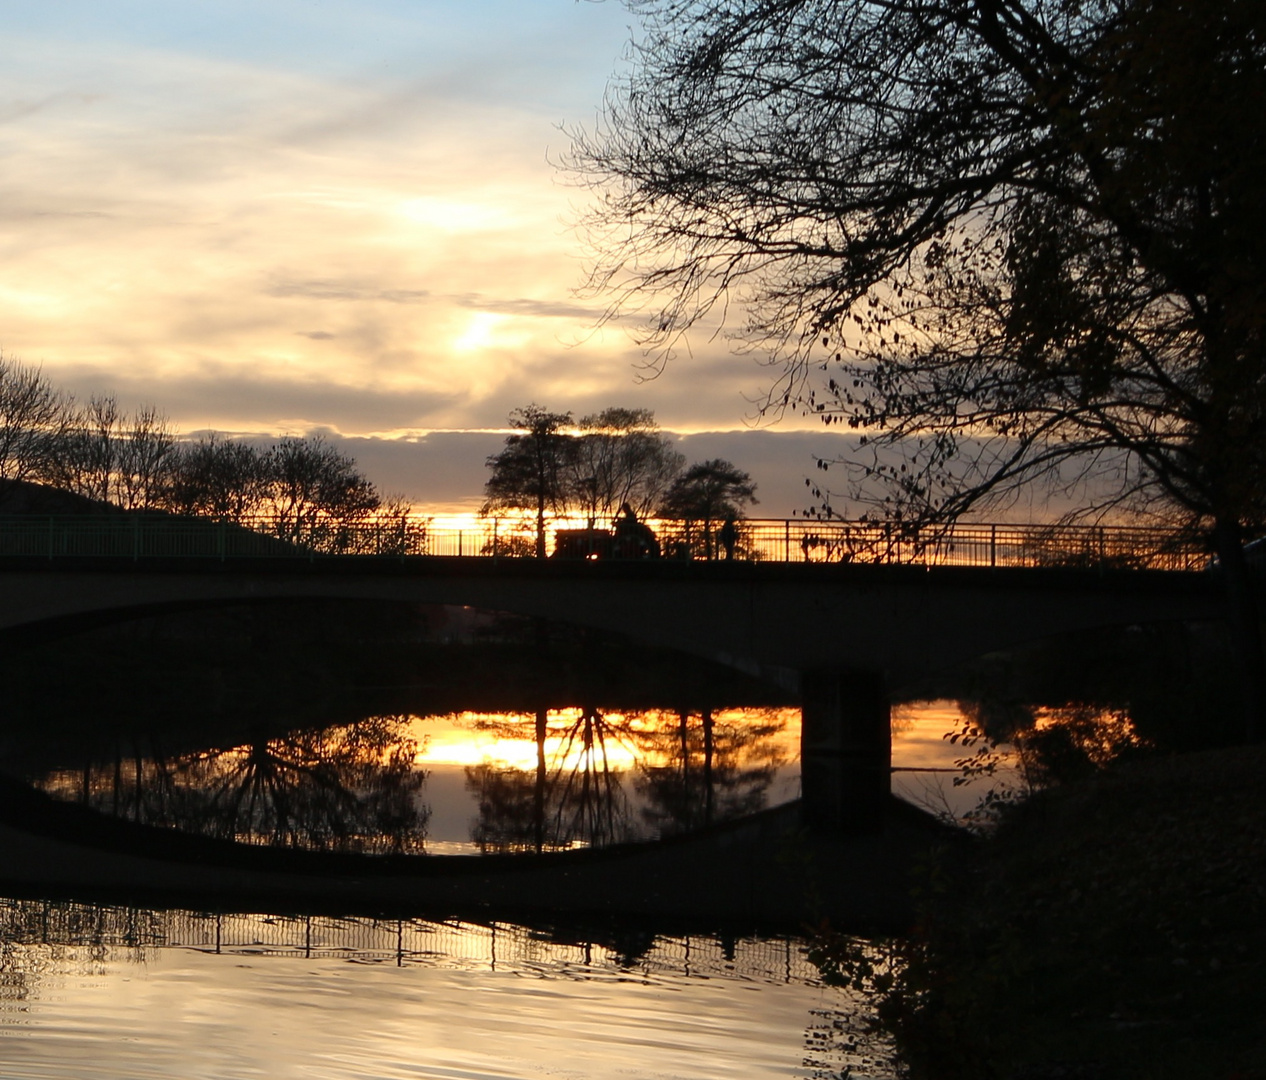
point(999, 545)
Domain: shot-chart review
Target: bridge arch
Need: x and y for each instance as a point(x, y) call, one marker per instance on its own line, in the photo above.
point(901, 620)
point(841, 632)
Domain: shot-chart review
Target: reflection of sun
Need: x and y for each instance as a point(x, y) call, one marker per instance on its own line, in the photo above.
point(470, 739)
point(459, 740)
point(479, 333)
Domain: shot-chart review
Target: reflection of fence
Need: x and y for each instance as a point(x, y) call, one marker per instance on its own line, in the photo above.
point(499, 946)
point(139, 536)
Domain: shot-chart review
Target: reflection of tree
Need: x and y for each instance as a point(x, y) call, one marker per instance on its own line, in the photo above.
point(692, 769)
point(1052, 745)
point(507, 816)
point(841, 1040)
point(577, 798)
point(589, 801)
point(712, 770)
point(1070, 742)
point(1047, 746)
point(347, 788)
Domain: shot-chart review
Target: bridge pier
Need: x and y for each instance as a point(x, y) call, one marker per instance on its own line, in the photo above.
point(845, 750)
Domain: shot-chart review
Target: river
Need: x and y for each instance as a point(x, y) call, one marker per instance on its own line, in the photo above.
point(115, 993)
point(121, 991)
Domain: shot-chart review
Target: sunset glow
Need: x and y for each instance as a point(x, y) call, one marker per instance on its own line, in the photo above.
point(480, 738)
point(345, 218)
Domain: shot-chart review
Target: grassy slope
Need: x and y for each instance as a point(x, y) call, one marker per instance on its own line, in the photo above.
point(1110, 929)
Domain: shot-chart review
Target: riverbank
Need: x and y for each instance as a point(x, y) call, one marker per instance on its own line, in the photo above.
point(1109, 929)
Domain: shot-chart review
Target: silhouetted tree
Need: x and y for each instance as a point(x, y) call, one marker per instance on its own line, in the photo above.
point(707, 492)
point(145, 457)
point(314, 491)
point(620, 457)
point(303, 490)
point(107, 455)
point(531, 472)
point(33, 418)
point(84, 460)
point(219, 478)
point(1023, 240)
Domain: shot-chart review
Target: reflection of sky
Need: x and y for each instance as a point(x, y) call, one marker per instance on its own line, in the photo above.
point(479, 738)
point(919, 731)
point(465, 1002)
point(451, 744)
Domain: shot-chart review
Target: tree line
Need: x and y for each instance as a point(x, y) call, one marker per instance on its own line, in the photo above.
point(304, 488)
point(613, 462)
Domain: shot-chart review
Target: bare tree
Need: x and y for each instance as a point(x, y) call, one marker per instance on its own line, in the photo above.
point(108, 456)
point(315, 492)
point(1003, 240)
point(309, 492)
point(145, 456)
point(621, 457)
point(33, 418)
point(217, 478)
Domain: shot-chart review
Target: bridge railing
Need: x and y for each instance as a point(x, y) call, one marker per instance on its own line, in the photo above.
point(783, 541)
point(149, 536)
point(964, 544)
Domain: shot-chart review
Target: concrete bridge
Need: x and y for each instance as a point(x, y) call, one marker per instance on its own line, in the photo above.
point(767, 619)
point(842, 634)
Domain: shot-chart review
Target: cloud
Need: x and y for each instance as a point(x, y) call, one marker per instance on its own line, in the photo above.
point(541, 308)
point(20, 110)
point(333, 290)
point(230, 398)
point(445, 471)
point(254, 235)
point(779, 462)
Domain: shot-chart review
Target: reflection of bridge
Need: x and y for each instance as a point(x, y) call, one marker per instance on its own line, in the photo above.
point(845, 630)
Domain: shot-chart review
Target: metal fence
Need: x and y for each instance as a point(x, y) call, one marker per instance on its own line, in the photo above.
point(962, 544)
point(782, 541)
point(149, 536)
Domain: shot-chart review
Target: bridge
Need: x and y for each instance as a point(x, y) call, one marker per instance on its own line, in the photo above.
point(842, 630)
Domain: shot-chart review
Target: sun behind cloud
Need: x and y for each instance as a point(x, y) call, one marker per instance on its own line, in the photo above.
point(480, 332)
point(454, 215)
point(338, 219)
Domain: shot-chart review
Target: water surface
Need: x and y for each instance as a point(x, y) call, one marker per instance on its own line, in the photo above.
point(96, 993)
point(461, 783)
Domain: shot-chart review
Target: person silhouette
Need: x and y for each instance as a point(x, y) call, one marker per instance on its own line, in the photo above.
point(729, 535)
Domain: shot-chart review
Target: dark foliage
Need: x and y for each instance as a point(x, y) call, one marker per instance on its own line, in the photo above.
point(1003, 241)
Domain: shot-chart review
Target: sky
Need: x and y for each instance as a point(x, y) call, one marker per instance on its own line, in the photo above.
point(336, 216)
